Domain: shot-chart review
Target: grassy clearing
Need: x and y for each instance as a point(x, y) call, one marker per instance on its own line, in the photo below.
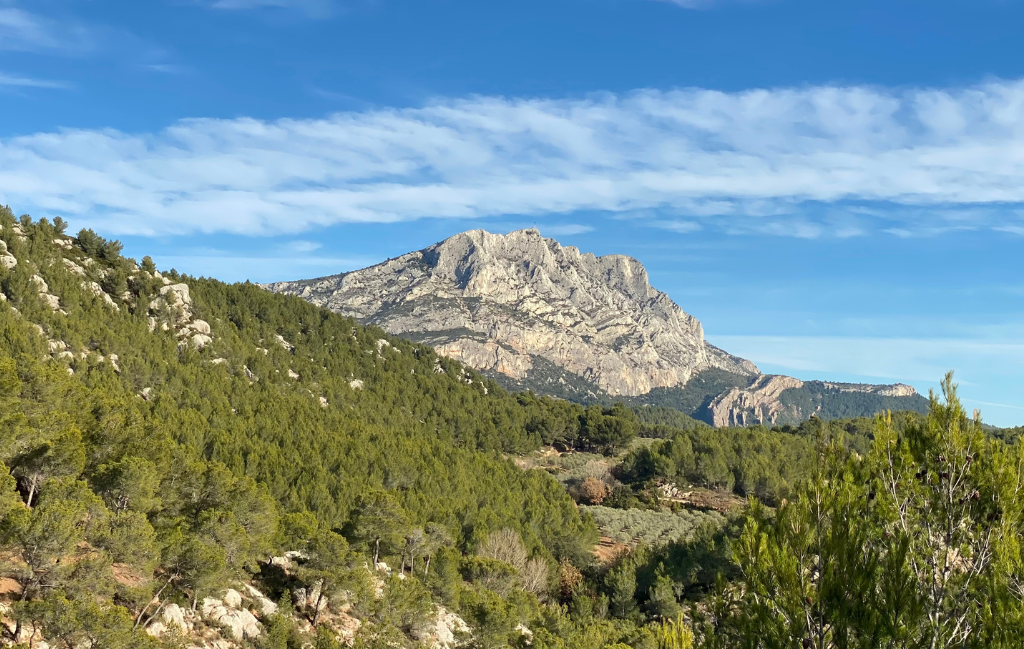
point(634, 526)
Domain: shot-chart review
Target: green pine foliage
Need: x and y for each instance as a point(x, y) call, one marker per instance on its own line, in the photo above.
point(155, 450)
point(136, 463)
point(916, 544)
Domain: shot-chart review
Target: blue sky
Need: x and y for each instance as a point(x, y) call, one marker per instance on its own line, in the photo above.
point(835, 189)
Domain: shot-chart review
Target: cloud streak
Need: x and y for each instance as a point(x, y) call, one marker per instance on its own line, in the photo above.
point(315, 8)
point(28, 82)
point(804, 162)
point(23, 31)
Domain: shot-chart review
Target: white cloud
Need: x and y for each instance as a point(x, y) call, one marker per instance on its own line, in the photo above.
point(819, 161)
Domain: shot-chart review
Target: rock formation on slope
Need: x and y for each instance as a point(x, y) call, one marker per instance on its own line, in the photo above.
point(536, 314)
point(499, 302)
point(768, 399)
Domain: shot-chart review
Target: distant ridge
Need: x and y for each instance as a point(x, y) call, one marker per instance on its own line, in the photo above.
point(537, 315)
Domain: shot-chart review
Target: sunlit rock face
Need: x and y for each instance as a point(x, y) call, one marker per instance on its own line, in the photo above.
point(496, 302)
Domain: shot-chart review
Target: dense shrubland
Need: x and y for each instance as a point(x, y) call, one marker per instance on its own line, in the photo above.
point(156, 451)
point(143, 458)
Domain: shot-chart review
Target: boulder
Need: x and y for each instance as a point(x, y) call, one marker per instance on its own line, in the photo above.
point(240, 623)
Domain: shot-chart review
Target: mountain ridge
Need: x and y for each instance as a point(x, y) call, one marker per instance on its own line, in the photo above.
point(537, 315)
point(492, 301)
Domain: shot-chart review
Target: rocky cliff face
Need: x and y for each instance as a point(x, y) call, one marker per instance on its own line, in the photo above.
point(539, 315)
point(500, 302)
point(779, 399)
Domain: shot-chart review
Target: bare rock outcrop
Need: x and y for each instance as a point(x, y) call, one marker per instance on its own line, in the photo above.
point(496, 301)
point(228, 613)
point(894, 390)
point(7, 260)
point(172, 310)
point(758, 403)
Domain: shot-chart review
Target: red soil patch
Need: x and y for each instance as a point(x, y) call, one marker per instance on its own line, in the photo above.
point(607, 550)
point(9, 587)
point(126, 576)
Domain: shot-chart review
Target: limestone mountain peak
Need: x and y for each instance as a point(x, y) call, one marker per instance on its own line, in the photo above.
point(510, 303)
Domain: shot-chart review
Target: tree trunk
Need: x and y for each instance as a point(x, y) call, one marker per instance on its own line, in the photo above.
point(426, 568)
point(31, 492)
point(376, 553)
point(155, 613)
point(412, 564)
point(316, 607)
point(153, 599)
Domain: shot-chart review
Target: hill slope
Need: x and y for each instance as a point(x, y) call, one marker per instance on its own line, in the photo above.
point(170, 419)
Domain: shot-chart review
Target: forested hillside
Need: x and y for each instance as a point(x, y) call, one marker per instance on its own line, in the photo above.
point(186, 463)
point(200, 414)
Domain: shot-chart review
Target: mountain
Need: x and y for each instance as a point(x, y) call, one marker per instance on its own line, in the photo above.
point(536, 315)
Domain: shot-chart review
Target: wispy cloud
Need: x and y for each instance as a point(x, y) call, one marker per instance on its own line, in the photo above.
point(675, 225)
point(311, 7)
point(819, 161)
point(25, 31)
point(703, 4)
point(28, 82)
point(566, 229)
point(233, 268)
point(165, 68)
point(302, 246)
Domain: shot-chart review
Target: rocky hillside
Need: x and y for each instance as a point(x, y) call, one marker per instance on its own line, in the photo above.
point(167, 442)
point(536, 315)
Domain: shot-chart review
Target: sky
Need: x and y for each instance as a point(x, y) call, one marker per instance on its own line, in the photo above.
point(836, 190)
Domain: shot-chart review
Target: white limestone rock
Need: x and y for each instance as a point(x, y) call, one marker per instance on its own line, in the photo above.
point(97, 290)
point(232, 598)
point(263, 603)
point(494, 301)
point(241, 623)
point(444, 631)
point(7, 260)
point(173, 617)
point(48, 299)
point(74, 268)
